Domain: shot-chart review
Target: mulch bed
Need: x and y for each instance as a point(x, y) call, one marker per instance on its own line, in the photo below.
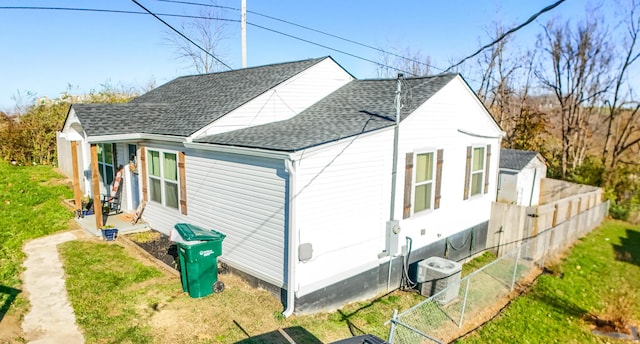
point(160, 247)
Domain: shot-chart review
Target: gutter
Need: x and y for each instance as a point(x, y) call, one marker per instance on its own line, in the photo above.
point(264, 153)
point(133, 137)
point(290, 166)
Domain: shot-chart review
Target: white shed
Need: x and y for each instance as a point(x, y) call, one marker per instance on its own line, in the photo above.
point(519, 177)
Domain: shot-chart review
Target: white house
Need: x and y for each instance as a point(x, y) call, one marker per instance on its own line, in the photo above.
point(519, 176)
point(304, 192)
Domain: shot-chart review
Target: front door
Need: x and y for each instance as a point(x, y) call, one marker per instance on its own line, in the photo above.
point(133, 170)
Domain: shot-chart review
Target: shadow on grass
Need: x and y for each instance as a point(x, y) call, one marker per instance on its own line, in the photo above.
point(346, 317)
point(298, 334)
point(629, 248)
point(563, 305)
point(11, 294)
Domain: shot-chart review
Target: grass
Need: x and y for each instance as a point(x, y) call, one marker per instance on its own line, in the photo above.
point(119, 296)
point(118, 299)
point(596, 280)
point(109, 291)
point(30, 207)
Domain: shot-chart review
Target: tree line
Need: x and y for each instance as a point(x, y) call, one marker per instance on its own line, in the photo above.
point(28, 135)
point(569, 96)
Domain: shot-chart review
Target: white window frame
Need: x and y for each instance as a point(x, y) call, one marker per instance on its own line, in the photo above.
point(432, 181)
point(162, 179)
point(102, 164)
point(481, 171)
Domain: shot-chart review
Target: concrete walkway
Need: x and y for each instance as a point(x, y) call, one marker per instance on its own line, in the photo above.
point(51, 318)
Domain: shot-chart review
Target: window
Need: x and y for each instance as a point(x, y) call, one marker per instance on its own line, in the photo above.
point(477, 171)
point(423, 182)
point(423, 176)
point(163, 178)
point(105, 163)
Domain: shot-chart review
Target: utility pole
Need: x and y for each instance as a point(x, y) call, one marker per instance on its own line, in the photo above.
point(243, 28)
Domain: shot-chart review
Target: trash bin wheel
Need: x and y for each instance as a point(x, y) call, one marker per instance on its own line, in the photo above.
point(218, 287)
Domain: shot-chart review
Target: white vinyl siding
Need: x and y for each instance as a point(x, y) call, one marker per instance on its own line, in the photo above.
point(440, 123)
point(342, 202)
point(241, 197)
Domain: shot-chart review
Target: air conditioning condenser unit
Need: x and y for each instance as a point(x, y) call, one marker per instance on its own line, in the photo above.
point(440, 277)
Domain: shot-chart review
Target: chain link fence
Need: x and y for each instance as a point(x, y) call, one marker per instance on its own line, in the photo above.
point(483, 292)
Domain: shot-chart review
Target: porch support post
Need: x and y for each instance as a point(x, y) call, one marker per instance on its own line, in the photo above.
point(95, 185)
point(77, 197)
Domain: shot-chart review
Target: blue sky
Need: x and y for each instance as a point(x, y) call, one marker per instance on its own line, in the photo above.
point(43, 51)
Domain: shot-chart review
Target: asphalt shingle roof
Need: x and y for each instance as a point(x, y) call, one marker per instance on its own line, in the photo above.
point(515, 159)
point(186, 104)
point(358, 107)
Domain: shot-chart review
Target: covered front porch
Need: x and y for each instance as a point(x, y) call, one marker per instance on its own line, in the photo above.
point(122, 221)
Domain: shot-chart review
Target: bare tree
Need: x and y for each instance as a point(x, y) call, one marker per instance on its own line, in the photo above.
point(412, 62)
point(623, 118)
point(580, 59)
point(206, 31)
point(505, 82)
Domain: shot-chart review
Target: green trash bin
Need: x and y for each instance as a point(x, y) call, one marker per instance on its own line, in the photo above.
point(198, 251)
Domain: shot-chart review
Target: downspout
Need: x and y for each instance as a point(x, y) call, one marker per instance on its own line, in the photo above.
point(293, 240)
point(396, 133)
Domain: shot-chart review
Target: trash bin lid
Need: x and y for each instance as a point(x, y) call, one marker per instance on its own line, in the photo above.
point(191, 232)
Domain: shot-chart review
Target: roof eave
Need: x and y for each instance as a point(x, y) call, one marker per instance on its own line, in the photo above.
point(263, 153)
point(134, 137)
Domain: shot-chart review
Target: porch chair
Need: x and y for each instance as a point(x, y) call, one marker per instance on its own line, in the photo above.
point(111, 202)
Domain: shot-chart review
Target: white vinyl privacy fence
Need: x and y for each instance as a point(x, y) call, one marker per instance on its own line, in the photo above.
point(479, 293)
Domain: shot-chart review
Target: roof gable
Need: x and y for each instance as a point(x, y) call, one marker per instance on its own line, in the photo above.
point(358, 107)
point(187, 104)
point(515, 159)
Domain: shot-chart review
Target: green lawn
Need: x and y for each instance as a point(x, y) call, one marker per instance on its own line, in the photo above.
point(118, 296)
point(30, 207)
point(599, 277)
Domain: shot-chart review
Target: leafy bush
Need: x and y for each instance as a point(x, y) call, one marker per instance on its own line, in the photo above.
point(619, 211)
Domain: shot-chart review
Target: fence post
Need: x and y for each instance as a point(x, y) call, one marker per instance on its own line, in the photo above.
point(392, 330)
point(515, 266)
point(464, 301)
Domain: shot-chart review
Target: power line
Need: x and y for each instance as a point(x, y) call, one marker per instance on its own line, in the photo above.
point(111, 11)
point(332, 49)
point(344, 39)
point(203, 17)
point(183, 35)
point(199, 4)
point(504, 35)
point(310, 29)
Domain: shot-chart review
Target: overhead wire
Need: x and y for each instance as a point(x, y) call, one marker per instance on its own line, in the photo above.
point(157, 15)
point(504, 35)
point(309, 29)
point(183, 35)
point(80, 9)
point(495, 41)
